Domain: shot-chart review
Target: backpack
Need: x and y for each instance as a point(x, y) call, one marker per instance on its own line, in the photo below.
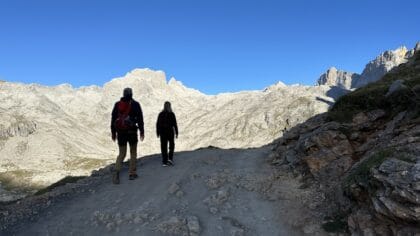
point(123, 122)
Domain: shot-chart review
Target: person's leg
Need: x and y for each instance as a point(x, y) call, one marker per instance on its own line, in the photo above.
point(121, 156)
point(171, 147)
point(133, 159)
point(164, 149)
point(118, 164)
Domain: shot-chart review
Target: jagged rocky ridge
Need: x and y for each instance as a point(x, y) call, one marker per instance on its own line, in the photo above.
point(373, 71)
point(364, 156)
point(51, 132)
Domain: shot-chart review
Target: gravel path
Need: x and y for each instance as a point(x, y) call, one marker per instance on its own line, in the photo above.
point(207, 192)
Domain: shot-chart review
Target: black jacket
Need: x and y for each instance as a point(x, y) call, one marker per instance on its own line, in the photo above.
point(136, 116)
point(166, 124)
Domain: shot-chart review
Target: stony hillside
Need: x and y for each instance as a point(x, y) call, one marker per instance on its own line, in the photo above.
point(363, 156)
point(47, 133)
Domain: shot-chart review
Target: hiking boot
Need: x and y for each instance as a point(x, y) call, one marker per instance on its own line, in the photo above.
point(132, 176)
point(170, 162)
point(116, 178)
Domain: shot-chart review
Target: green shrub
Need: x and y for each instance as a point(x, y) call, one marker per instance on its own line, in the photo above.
point(336, 226)
point(372, 96)
point(361, 174)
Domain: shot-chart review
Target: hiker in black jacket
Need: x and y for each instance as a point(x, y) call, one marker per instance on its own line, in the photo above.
point(127, 117)
point(167, 129)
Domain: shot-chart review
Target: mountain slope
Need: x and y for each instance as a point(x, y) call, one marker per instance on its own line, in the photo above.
point(52, 132)
point(364, 154)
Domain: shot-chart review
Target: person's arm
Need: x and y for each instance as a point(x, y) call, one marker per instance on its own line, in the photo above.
point(140, 123)
point(114, 115)
point(175, 125)
point(158, 125)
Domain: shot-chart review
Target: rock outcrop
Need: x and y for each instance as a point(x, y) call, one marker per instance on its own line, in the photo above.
point(382, 64)
point(373, 71)
point(18, 128)
point(365, 156)
point(340, 78)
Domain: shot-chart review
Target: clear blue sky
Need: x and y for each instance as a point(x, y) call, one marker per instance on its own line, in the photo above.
point(211, 45)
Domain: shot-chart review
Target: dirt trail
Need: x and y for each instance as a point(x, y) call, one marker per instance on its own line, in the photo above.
point(207, 192)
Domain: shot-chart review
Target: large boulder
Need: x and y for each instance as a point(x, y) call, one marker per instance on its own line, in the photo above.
point(326, 151)
point(398, 193)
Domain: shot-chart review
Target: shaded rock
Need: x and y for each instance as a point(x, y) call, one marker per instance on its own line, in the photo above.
point(390, 126)
point(396, 198)
point(396, 86)
point(237, 232)
point(291, 156)
point(364, 120)
point(179, 194)
point(173, 188)
point(375, 114)
point(323, 146)
point(175, 226)
point(219, 179)
point(320, 160)
point(217, 199)
point(360, 118)
point(277, 162)
point(213, 210)
point(193, 225)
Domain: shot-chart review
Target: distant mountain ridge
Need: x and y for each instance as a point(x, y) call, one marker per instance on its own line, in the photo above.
point(373, 71)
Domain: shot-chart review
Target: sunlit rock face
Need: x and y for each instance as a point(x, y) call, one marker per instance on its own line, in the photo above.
point(340, 78)
point(373, 71)
point(47, 133)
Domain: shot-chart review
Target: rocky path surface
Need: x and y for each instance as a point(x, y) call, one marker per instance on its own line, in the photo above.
point(207, 192)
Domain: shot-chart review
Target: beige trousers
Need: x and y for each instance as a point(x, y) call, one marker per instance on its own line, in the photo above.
point(133, 158)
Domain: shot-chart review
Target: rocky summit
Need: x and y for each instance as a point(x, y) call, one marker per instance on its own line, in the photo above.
point(373, 71)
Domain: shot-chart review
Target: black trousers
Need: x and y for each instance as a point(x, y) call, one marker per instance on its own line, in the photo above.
point(164, 140)
point(123, 138)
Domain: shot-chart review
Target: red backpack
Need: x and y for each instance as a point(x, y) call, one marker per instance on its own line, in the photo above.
point(123, 121)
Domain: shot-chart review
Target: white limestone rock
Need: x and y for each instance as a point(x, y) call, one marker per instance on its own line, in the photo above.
point(340, 78)
point(52, 132)
point(381, 65)
point(373, 71)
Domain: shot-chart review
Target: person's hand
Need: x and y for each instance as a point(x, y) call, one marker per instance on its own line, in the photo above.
point(113, 136)
point(141, 137)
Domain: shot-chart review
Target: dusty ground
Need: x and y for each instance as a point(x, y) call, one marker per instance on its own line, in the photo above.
point(207, 192)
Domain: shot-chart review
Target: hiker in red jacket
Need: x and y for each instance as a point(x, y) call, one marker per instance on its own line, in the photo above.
point(127, 117)
point(167, 129)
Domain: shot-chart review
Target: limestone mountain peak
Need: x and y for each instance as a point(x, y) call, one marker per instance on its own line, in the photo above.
point(373, 70)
